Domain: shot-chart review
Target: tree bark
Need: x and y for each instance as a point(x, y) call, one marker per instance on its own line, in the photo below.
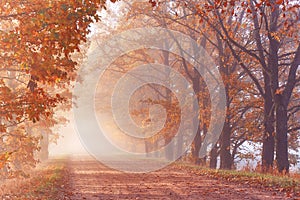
point(196, 145)
point(281, 134)
point(225, 155)
point(44, 152)
point(213, 157)
point(268, 138)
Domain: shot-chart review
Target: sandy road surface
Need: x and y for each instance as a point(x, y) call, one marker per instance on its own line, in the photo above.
point(91, 180)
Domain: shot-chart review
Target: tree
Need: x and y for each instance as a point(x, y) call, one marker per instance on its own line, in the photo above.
point(270, 24)
point(37, 39)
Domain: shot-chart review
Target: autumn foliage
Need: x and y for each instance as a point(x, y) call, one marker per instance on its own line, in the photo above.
point(37, 39)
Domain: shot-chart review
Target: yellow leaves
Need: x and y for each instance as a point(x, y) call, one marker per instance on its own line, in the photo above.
point(24, 67)
point(275, 36)
point(57, 80)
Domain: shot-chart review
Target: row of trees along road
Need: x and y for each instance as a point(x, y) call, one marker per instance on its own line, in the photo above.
point(255, 45)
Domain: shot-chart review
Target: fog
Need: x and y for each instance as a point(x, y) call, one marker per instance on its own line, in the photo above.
point(68, 142)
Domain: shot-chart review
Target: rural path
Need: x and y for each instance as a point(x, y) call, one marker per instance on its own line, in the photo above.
point(88, 179)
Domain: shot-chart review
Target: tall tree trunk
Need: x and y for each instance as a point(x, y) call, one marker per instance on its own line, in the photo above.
point(225, 155)
point(268, 138)
point(196, 145)
point(169, 152)
point(213, 157)
point(281, 134)
point(282, 99)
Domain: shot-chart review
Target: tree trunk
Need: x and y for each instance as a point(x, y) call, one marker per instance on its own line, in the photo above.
point(268, 145)
point(196, 145)
point(213, 157)
point(44, 152)
point(268, 138)
point(281, 134)
point(169, 152)
point(225, 155)
point(271, 85)
point(282, 99)
point(195, 149)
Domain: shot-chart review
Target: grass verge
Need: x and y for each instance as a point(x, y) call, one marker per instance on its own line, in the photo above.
point(277, 183)
point(44, 183)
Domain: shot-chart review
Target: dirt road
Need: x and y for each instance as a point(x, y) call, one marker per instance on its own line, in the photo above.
point(91, 180)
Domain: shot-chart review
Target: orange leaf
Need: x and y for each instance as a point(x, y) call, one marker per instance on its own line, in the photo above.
point(279, 2)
